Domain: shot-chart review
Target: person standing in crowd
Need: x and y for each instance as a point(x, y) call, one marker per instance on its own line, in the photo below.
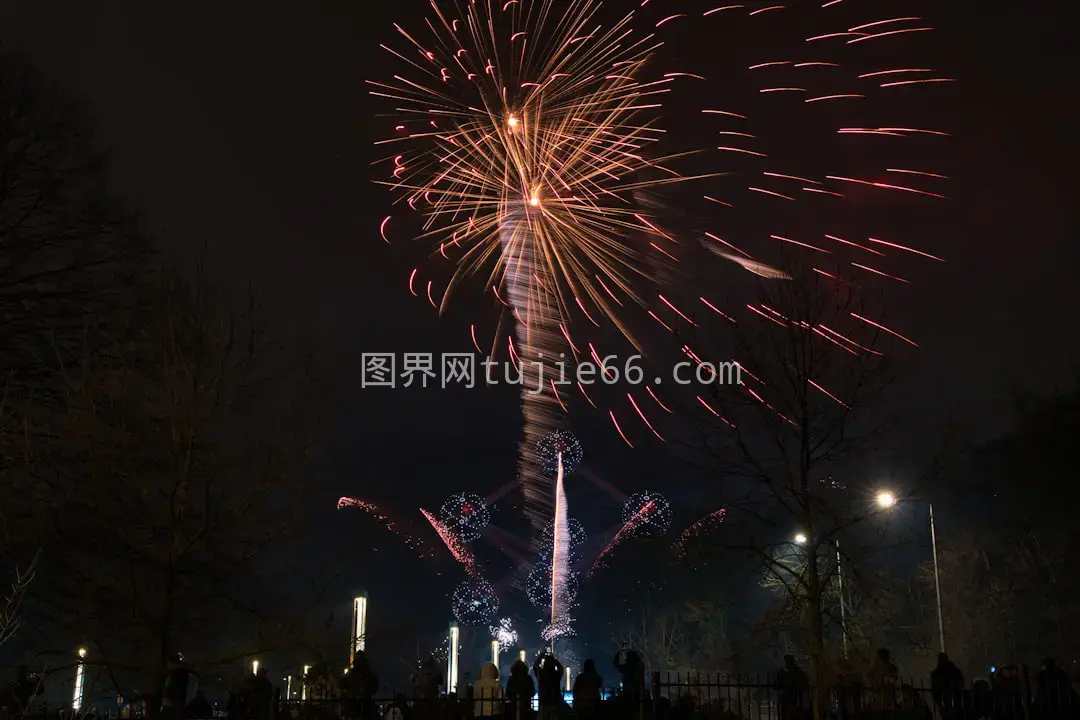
point(883, 677)
point(548, 671)
point(947, 687)
point(519, 691)
point(487, 692)
point(794, 687)
point(587, 691)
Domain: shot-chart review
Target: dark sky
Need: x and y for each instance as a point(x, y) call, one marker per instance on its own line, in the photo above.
point(246, 126)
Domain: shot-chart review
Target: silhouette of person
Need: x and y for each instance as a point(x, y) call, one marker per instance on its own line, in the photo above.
point(487, 692)
point(520, 690)
point(947, 687)
point(548, 671)
point(883, 678)
point(588, 686)
point(794, 687)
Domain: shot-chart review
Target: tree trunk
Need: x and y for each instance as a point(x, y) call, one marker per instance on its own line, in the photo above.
point(815, 630)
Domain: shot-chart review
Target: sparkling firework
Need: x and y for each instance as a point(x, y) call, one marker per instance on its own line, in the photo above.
point(560, 555)
point(522, 141)
point(649, 512)
point(627, 530)
point(524, 136)
point(505, 633)
point(538, 586)
point(705, 524)
point(392, 527)
point(454, 544)
point(475, 602)
point(575, 534)
point(560, 446)
point(466, 514)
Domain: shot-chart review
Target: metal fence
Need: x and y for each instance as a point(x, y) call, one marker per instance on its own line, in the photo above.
point(1018, 695)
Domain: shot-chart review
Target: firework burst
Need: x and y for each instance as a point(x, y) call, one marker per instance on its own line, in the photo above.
point(523, 140)
point(526, 138)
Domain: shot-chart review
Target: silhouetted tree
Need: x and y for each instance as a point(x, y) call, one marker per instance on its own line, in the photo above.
point(191, 454)
point(785, 442)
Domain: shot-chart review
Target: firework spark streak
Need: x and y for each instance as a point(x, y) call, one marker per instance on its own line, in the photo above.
point(560, 559)
point(522, 142)
point(525, 136)
point(709, 521)
point(454, 545)
point(625, 531)
point(377, 513)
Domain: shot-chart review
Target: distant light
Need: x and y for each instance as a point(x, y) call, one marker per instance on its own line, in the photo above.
point(82, 652)
point(254, 667)
point(800, 539)
point(885, 499)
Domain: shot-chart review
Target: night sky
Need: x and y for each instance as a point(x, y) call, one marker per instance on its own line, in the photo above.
point(246, 127)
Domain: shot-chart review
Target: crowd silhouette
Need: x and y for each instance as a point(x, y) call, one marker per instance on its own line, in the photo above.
point(537, 693)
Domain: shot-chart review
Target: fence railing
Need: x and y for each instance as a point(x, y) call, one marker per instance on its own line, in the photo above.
point(1014, 696)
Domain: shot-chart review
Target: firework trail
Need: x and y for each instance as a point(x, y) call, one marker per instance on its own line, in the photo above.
point(706, 523)
point(521, 144)
point(624, 532)
point(372, 509)
point(560, 560)
point(539, 334)
point(454, 545)
point(526, 138)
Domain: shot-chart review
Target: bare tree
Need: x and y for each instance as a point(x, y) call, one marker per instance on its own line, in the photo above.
point(188, 459)
point(687, 638)
point(788, 439)
point(69, 252)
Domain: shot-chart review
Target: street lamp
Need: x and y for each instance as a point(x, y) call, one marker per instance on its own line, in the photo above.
point(886, 500)
point(800, 539)
point(80, 681)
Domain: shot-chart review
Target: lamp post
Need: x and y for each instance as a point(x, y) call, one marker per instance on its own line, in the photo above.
point(452, 659)
point(80, 681)
point(358, 634)
point(886, 500)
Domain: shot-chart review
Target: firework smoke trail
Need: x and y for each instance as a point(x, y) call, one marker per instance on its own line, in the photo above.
point(372, 509)
point(714, 518)
point(624, 532)
point(454, 545)
point(524, 136)
point(560, 560)
point(536, 325)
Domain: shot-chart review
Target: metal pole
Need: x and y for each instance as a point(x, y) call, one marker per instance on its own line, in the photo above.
point(937, 579)
point(843, 609)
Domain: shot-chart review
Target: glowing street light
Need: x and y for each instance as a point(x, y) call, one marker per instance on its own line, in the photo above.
point(80, 681)
point(254, 667)
point(452, 660)
point(568, 678)
point(304, 683)
point(521, 654)
point(886, 500)
point(358, 635)
point(800, 539)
